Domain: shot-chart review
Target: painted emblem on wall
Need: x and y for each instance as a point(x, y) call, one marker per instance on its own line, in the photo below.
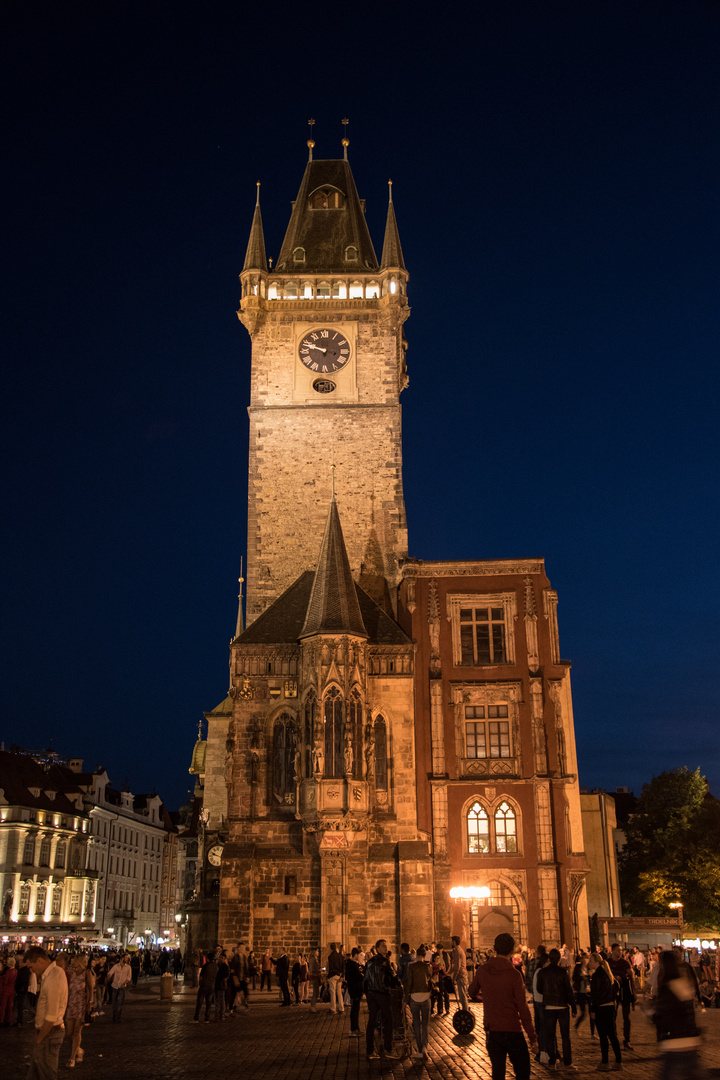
point(333, 841)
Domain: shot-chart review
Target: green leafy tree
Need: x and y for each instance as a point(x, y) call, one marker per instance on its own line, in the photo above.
point(673, 850)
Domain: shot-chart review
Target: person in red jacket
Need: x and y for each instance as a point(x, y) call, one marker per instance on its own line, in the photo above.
point(505, 1011)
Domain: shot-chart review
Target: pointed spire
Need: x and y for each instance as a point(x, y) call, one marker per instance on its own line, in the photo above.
point(239, 626)
point(255, 258)
point(392, 252)
point(333, 606)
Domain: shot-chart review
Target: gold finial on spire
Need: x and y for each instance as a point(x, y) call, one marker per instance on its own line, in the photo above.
point(390, 189)
point(239, 624)
point(257, 200)
point(345, 141)
point(311, 141)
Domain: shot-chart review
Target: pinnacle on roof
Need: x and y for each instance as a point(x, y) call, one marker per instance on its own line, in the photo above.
point(327, 233)
point(392, 252)
point(255, 257)
point(333, 606)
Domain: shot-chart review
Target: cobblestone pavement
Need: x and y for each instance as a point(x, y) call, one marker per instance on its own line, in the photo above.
point(159, 1040)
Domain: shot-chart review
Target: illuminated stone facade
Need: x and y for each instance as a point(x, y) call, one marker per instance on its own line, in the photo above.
point(344, 792)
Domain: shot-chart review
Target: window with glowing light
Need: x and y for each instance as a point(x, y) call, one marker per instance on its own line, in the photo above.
point(505, 829)
point(339, 290)
point(323, 291)
point(372, 290)
point(478, 830)
point(356, 290)
point(487, 740)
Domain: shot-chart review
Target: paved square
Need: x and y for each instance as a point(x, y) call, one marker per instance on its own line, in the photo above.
point(265, 1042)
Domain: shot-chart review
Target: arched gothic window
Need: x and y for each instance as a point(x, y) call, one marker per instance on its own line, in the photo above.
point(310, 713)
point(284, 745)
point(355, 721)
point(333, 715)
point(478, 830)
point(505, 828)
point(381, 754)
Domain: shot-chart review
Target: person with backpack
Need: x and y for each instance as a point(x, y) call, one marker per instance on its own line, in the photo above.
point(558, 1001)
point(379, 978)
point(604, 992)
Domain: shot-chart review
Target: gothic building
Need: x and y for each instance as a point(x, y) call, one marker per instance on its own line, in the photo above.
point(393, 727)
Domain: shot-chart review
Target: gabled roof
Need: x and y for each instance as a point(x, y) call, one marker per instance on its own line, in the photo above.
point(21, 776)
point(282, 623)
point(333, 607)
point(325, 234)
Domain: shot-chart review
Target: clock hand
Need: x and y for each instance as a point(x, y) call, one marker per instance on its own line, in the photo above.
point(318, 347)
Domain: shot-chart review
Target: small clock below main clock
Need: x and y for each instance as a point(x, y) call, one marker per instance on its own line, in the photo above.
point(214, 855)
point(324, 350)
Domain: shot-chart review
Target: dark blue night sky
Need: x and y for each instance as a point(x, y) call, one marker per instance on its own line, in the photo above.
point(555, 173)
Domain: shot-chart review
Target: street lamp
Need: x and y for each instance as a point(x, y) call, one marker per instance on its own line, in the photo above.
point(677, 905)
point(471, 894)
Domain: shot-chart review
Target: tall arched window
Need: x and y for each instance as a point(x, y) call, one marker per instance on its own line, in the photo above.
point(310, 712)
point(381, 754)
point(355, 721)
point(333, 715)
point(478, 830)
point(284, 745)
point(505, 828)
point(56, 901)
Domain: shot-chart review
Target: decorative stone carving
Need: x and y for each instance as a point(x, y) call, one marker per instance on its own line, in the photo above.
point(434, 630)
point(411, 604)
point(318, 756)
point(348, 755)
point(539, 736)
point(550, 601)
point(531, 636)
point(555, 694)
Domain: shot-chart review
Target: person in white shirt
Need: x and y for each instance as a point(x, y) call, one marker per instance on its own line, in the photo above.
point(118, 980)
point(458, 972)
point(51, 1004)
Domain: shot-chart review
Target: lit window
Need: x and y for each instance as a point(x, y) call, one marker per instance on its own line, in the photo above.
point(505, 829)
point(272, 291)
point(307, 291)
point(478, 830)
point(291, 292)
point(323, 291)
point(356, 290)
point(75, 903)
point(372, 291)
point(339, 290)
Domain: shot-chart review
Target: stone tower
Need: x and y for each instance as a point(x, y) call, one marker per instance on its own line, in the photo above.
point(328, 367)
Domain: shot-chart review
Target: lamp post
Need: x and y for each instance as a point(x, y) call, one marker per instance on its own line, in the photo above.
point(470, 894)
point(677, 905)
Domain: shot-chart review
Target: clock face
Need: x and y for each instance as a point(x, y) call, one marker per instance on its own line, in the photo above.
point(215, 855)
point(324, 350)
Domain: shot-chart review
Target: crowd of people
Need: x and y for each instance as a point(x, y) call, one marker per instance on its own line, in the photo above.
point(539, 992)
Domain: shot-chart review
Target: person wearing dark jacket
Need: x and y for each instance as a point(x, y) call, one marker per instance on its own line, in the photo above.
point(603, 996)
point(623, 972)
point(206, 990)
point(379, 977)
point(553, 983)
point(505, 1011)
point(282, 970)
point(674, 1017)
point(354, 980)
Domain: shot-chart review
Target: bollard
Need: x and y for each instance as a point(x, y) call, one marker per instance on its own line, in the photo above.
point(166, 987)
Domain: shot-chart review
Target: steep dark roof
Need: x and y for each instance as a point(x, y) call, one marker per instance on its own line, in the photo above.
point(21, 774)
point(282, 623)
point(333, 606)
point(392, 251)
point(255, 257)
point(326, 233)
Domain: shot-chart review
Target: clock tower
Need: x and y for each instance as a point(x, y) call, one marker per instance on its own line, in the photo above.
point(328, 367)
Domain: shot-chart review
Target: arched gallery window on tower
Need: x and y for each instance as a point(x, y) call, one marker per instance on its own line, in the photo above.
point(381, 754)
point(491, 833)
point(285, 740)
point(310, 713)
point(333, 716)
point(355, 722)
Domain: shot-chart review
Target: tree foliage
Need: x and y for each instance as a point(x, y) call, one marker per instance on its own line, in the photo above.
point(673, 850)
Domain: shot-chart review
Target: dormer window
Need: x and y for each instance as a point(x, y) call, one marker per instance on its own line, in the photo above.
point(299, 255)
point(351, 253)
point(328, 199)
